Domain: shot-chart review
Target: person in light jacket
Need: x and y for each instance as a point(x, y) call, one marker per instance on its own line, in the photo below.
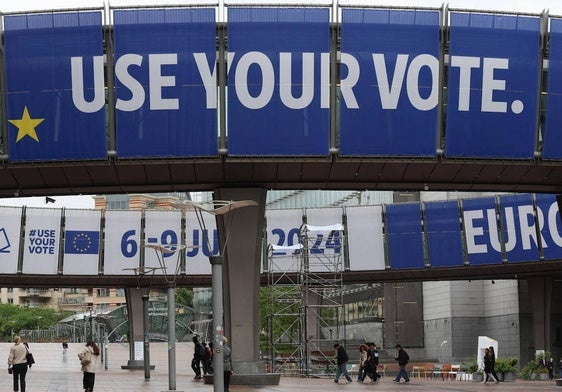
point(91, 352)
point(17, 361)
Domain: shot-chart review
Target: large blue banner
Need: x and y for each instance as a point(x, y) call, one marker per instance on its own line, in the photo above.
point(404, 236)
point(165, 83)
point(278, 94)
point(519, 228)
point(482, 231)
point(443, 231)
point(493, 86)
point(55, 86)
point(553, 127)
point(550, 226)
point(389, 82)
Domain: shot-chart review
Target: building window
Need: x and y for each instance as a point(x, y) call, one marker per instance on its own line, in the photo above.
point(10, 289)
point(10, 300)
point(120, 292)
point(102, 292)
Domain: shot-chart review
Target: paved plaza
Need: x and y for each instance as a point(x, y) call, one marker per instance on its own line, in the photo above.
point(54, 372)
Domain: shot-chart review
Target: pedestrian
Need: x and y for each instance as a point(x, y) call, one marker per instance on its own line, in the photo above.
point(373, 362)
point(488, 367)
point(341, 360)
point(227, 363)
point(550, 367)
point(560, 366)
point(207, 360)
point(362, 362)
point(198, 355)
point(17, 363)
point(64, 348)
point(89, 359)
point(402, 357)
point(493, 357)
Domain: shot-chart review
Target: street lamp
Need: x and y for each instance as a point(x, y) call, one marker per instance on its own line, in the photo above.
point(160, 251)
point(216, 208)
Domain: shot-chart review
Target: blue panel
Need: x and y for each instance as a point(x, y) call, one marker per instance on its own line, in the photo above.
point(550, 225)
point(380, 115)
point(166, 100)
point(519, 229)
point(45, 121)
point(483, 240)
point(443, 232)
point(493, 86)
point(553, 128)
point(404, 236)
point(272, 108)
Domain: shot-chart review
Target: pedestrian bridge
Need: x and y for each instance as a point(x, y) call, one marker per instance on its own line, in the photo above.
point(374, 98)
point(505, 236)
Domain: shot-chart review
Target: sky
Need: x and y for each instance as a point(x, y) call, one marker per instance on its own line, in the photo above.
point(526, 6)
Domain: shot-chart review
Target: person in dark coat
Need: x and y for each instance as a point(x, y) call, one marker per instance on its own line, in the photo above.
point(489, 366)
point(341, 358)
point(402, 357)
point(227, 363)
point(198, 356)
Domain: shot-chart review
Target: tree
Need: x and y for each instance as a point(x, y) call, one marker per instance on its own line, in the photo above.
point(14, 318)
point(184, 296)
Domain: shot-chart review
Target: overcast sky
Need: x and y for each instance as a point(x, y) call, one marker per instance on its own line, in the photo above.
point(526, 6)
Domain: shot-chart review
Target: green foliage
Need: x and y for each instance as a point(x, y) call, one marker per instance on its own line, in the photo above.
point(472, 365)
point(533, 367)
point(184, 296)
point(14, 318)
point(504, 365)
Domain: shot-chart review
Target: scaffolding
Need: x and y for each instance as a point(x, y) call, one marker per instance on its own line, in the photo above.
point(305, 297)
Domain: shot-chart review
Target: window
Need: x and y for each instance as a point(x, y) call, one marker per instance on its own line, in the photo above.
point(102, 292)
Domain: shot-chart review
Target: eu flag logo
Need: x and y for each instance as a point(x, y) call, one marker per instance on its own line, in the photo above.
point(82, 242)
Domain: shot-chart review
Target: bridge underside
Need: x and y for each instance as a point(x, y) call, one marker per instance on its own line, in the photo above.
point(115, 176)
point(525, 270)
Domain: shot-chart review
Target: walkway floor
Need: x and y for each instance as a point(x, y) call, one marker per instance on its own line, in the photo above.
point(55, 373)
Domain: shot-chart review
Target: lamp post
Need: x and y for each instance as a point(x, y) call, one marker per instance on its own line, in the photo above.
point(216, 208)
point(171, 285)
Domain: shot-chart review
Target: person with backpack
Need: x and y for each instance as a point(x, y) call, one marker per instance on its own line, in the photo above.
point(402, 357)
point(198, 356)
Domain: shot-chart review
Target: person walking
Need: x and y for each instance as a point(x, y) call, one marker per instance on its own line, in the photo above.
point(341, 360)
point(89, 359)
point(198, 356)
point(227, 364)
point(550, 367)
point(489, 366)
point(362, 362)
point(17, 363)
point(402, 357)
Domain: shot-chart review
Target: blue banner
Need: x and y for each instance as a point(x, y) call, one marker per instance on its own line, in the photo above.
point(482, 232)
point(278, 82)
point(81, 242)
point(54, 69)
point(443, 232)
point(550, 226)
point(165, 83)
point(493, 86)
point(389, 83)
point(519, 228)
point(404, 236)
point(552, 136)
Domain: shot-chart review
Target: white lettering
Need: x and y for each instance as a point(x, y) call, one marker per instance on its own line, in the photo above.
point(157, 81)
point(285, 81)
point(347, 83)
point(78, 96)
point(122, 73)
point(465, 65)
point(472, 232)
point(241, 80)
point(489, 85)
point(412, 82)
point(389, 94)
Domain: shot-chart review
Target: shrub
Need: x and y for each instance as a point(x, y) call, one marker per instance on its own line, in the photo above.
point(504, 365)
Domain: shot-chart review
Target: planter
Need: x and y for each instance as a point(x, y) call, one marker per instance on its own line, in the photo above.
point(543, 377)
point(508, 376)
point(477, 377)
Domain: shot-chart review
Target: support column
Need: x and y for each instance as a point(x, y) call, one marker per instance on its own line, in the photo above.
point(136, 331)
point(241, 278)
point(540, 293)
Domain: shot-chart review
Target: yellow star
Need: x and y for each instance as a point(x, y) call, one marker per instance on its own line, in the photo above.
point(26, 126)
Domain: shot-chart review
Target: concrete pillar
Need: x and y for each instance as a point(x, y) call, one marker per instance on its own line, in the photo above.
point(241, 276)
point(135, 318)
point(540, 295)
